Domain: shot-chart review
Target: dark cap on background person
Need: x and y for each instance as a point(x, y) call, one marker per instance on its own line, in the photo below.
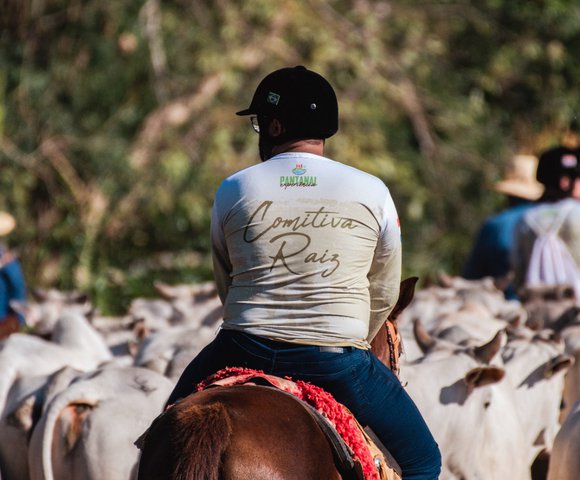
point(555, 163)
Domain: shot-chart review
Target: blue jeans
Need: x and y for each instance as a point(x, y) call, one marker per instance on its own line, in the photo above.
point(355, 377)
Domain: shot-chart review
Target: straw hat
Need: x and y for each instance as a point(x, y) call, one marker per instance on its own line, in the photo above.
point(520, 178)
point(7, 223)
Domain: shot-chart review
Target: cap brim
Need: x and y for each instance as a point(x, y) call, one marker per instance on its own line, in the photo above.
point(247, 111)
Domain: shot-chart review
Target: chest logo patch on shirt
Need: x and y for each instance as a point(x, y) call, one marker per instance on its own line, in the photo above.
point(298, 179)
point(299, 169)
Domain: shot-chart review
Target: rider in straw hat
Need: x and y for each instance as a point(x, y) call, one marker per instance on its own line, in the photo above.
point(490, 255)
point(12, 284)
point(307, 260)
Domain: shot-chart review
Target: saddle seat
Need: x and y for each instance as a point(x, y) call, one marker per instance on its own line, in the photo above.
point(357, 455)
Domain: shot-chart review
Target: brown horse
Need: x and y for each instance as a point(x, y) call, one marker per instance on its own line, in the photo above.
point(245, 432)
point(239, 432)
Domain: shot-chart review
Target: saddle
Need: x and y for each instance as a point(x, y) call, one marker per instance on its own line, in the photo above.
point(357, 452)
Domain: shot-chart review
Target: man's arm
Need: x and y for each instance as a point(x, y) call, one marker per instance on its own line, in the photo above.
point(222, 267)
point(385, 273)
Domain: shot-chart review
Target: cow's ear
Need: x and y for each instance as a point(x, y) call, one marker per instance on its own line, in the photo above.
point(481, 376)
point(558, 364)
point(73, 418)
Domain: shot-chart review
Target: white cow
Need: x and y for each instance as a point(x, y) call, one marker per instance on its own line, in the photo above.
point(565, 459)
point(454, 293)
point(194, 304)
point(74, 343)
point(153, 314)
point(24, 406)
point(43, 313)
point(470, 410)
point(169, 351)
point(571, 336)
point(88, 430)
point(472, 324)
point(535, 364)
point(465, 312)
point(549, 306)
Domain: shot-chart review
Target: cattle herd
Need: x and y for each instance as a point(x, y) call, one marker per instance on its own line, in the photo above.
point(497, 381)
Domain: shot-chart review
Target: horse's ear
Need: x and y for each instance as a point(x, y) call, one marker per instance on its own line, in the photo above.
point(406, 294)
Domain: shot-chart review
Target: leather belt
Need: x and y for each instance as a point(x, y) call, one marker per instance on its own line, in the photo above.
point(332, 349)
point(287, 345)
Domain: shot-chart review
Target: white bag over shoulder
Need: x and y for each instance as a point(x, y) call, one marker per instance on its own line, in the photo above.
point(551, 263)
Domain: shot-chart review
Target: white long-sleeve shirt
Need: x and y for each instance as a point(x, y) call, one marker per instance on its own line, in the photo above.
point(563, 218)
point(306, 250)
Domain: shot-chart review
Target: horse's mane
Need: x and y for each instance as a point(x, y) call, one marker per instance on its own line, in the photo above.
point(204, 429)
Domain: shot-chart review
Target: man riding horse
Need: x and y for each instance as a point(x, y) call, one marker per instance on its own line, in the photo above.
point(307, 259)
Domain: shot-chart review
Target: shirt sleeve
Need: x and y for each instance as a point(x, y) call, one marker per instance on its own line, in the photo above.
point(222, 266)
point(385, 272)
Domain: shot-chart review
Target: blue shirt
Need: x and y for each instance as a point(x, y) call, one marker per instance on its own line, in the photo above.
point(12, 287)
point(490, 256)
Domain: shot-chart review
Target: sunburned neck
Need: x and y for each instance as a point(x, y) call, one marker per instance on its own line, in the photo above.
point(314, 146)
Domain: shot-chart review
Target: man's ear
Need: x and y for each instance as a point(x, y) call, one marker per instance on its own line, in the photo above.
point(565, 183)
point(275, 129)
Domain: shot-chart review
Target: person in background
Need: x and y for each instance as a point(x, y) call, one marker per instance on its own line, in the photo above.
point(490, 255)
point(556, 259)
point(307, 260)
point(558, 167)
point(12, 283)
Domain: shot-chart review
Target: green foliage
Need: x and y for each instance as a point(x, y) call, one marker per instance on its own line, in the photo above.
point(117, 124)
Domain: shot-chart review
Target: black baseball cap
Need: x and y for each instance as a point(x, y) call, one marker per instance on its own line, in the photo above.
point(304, 99)
point(556, 162)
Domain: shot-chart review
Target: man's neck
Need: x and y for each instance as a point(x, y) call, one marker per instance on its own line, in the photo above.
point(314, 146)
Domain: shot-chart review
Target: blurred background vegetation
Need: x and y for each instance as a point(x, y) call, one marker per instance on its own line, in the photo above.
point(117, 119)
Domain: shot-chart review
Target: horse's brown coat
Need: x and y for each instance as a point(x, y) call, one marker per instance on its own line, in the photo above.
point(227, 433)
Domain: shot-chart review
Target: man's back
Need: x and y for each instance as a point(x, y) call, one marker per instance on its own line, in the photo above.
point(561, 218)
point(298, 236)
